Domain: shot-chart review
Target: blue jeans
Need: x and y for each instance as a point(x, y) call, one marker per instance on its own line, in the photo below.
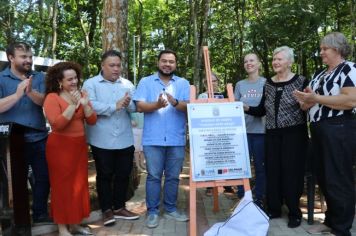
point(256, 146)
point(159, 160)
point(35, 153)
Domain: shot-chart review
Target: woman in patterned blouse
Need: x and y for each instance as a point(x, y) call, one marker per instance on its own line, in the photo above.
point(286, 137)
point(330, 98)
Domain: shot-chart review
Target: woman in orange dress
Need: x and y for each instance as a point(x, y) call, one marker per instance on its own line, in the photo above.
point(66, 109)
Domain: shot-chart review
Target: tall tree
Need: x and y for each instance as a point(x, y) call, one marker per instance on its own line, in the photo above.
point(200, 37)
point(54, 28)
point(115, 29)
point(353, 31)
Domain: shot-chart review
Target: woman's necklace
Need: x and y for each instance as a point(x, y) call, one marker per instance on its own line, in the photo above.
point(287, 78)
point(325, 75)
point(332, 71)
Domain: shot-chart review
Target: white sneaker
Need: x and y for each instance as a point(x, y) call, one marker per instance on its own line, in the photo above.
point(182, 217)
point(152, 221)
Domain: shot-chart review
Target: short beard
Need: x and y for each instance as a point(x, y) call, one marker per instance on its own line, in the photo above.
point(165, 74)
point(23, 69)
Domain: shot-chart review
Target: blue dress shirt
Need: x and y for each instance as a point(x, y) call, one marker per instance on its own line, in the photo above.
point(113, 128)
point(25, 112)
point(165, 126)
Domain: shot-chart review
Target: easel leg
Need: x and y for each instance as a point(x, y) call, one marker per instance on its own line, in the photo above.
point(193, 210)
point(216, 199)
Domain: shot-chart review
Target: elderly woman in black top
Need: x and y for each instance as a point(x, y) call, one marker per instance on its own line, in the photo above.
point(286, 137)
point(330, 97)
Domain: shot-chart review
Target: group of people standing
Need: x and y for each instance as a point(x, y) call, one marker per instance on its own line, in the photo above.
point(288, 101)
point(99, 114)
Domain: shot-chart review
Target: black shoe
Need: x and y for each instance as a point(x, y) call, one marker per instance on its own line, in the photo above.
point(19, 230)
point(273, 215)
point(108, 218)
point(294, 222)
point(259, 203)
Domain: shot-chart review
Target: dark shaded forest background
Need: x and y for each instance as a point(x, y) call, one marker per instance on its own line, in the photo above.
point(79, 30)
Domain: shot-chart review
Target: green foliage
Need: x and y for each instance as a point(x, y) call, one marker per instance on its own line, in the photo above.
point(235, 27)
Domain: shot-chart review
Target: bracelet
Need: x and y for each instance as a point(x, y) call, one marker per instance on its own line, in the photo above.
point(177, 102)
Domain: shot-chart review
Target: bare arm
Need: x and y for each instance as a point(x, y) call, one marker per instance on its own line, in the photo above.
point(346, 100)
point(151, 106)
point(182, 106)
point(7, 102)
point(179, 105)
point(35, 96)
point(305, 106)
point(69, 111)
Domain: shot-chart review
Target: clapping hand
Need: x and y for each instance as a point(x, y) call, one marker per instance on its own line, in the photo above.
point(308, 96)
point(29, 85)
point(306, 99)
point(161, 102)
point(171, 99)
point(22, 87)
point(75, 96)
point(84, 100)
point(123, 102)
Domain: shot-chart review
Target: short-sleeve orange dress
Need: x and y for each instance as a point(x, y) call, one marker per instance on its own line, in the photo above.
point(67, 158)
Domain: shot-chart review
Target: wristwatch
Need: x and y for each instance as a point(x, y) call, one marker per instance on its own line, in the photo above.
point(177, 102)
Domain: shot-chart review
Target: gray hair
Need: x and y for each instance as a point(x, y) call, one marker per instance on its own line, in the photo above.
point(213, 74)
point(337, 41)
point(287, 50)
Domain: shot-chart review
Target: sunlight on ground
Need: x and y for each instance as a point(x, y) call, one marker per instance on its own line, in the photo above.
point(92, 179)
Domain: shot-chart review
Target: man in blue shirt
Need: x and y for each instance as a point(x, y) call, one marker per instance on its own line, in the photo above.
point(163, 98)
point(21, 99)
point(111, 138)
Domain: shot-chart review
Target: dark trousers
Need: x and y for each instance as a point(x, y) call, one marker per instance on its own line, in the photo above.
point(113, 169)
point(35, 153)
point(32, 154)
point(285, 161)
point(19, 170)
point(332, 152)
point(256, 147)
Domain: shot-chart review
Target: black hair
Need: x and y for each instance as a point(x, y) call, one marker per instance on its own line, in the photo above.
point(167, 51)
point(110, 53)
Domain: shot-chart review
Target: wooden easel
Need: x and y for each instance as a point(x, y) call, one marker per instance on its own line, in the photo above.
point(215, 183)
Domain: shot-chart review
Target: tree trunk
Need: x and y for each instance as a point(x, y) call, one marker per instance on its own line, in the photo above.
point(93, 20)
point(188, 48)
point(196, 75)
point(353, 32)
point(265, 59)
point(199, 39)
point(240, 18)
point(115, 29)
point(140, 41)
point(54, 29)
